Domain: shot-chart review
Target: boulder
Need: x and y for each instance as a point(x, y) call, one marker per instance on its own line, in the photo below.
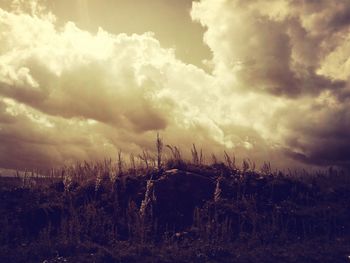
point(176, 194)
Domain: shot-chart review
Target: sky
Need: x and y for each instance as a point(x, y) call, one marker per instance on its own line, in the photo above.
point(265, 80)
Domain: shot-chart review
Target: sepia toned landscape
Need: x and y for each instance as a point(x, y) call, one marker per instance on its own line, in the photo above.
point(174, 131)
point(174, 210)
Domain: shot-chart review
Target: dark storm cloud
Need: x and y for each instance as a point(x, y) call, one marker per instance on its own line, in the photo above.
point(324, 152)
point(341, 19)
point(275, 50)
point(297, 52)
point(320, 134)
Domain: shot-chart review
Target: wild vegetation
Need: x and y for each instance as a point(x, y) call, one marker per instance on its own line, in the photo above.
point(153, 208)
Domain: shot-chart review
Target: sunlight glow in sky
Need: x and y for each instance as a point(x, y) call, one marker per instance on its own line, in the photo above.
point(81, 79)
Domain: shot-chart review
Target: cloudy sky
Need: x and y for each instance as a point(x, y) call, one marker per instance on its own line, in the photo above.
point(268, 80)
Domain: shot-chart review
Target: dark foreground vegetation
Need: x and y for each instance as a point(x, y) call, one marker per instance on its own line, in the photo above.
point(175, 211)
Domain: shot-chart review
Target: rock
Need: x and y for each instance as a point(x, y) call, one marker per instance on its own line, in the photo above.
point(176, 194)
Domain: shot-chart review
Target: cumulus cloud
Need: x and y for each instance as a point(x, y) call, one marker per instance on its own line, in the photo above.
point(297, 50)
point(278, 89)
point(74, 74)
point(275, 48)
point(70, 95)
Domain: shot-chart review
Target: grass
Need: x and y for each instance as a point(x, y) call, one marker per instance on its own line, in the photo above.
point(142, 210)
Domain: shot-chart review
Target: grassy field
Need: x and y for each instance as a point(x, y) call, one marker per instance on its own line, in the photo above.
point(157, 210)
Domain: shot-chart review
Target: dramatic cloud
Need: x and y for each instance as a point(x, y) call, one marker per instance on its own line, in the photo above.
point(273, 47)
point(279, 87)
point(68, 93)
point(295, 49)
